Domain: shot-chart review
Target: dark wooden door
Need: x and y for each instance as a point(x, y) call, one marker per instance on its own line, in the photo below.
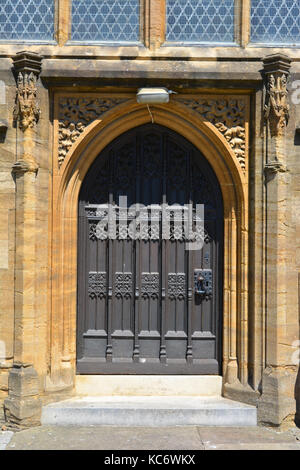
point(139, 308)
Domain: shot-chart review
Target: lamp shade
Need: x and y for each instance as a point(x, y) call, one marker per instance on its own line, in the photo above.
point(152, 95)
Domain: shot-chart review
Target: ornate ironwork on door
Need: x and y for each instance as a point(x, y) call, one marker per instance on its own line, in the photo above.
point(146, 303)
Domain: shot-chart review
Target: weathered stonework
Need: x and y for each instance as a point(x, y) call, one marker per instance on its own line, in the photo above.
point(23, 406)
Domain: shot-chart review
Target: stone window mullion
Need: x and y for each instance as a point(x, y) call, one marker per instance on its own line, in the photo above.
point(155, 22)
point(245, 22)
point(63, 20)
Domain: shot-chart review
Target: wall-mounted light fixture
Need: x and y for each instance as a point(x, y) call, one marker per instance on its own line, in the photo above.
point(153, 95)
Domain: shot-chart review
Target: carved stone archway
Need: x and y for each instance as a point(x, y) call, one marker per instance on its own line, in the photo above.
point(84, 125)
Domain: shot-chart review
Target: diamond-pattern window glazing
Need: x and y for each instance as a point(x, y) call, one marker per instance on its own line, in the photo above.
point(105, 20)
point(275, 21)
point(31, 20)
point(200, 21)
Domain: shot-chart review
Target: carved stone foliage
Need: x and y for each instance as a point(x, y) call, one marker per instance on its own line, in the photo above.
point(97, 284)
point(75, 114)
point(276, 109)
point(176, 286)
point(26, 111)
point(123, 285)
point(27, 68)
point(150, 285)
point(229, 116)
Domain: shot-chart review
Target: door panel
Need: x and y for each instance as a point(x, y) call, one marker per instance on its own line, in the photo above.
point(138, 311)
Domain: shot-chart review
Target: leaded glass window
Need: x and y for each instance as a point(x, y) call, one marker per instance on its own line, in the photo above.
point(105, 20)
point(200, 21)
point(275, 21)
point(30, 20)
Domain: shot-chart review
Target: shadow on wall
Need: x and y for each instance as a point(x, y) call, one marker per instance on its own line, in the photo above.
point(297, 136)
point(297, 386)
point(297, 396)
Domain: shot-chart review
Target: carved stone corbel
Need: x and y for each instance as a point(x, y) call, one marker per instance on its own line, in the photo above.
point(276, 108)
point(27, 68)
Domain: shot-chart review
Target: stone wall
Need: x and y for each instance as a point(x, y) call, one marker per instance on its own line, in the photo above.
point(7, 222)
point(274, 247)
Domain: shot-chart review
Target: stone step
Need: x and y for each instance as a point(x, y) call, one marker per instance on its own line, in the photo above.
point(149, 411)
point(148, 385)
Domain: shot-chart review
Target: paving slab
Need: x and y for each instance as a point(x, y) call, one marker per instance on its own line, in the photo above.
point(5, 437)
point(253, 447)
point(252, 438)
point(106, 438)
point(143, 438)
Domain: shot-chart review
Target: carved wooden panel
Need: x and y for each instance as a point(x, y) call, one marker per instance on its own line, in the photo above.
point(123, 285)
point(97, 284)
point(176, 285)
point(150, 285)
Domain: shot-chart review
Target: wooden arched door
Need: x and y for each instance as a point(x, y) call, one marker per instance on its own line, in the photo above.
point(147, 304)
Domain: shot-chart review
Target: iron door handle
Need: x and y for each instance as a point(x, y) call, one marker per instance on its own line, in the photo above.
point(203, 282)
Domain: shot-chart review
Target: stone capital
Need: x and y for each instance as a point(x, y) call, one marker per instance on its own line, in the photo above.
point(26, 164)
point(275, 167)
point(27, 62)
point(277, 63)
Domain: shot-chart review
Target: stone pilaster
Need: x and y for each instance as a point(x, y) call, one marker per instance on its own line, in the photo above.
point(277, 402)
point(23, 406)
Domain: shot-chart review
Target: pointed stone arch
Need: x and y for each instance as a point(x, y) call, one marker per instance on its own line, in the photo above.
point(68, 175)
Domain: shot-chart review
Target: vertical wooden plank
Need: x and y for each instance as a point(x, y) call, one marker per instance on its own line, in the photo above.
point(164, 260)
point(136, 269)
point(189, 268)
point(110, 266)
